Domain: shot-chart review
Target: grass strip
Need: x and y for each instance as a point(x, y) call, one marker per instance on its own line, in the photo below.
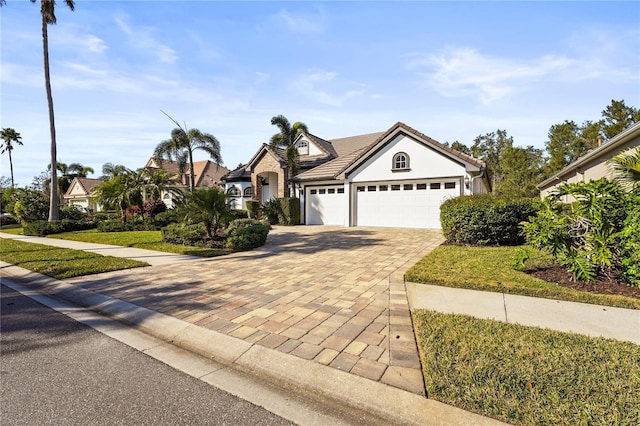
point(148, 240)
point(527, 375)
point(489, 269)
point(60, 263)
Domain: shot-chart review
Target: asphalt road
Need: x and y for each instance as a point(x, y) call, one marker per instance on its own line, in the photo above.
point(54, 370)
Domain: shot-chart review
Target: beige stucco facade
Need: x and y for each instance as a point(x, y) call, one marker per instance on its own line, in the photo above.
point(593, 166)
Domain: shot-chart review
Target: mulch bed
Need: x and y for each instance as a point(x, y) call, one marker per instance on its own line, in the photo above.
point(604, 285)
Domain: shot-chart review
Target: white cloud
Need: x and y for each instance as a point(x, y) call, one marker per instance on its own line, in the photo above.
point(302, 24)
point(318, 86)
point(141, 38)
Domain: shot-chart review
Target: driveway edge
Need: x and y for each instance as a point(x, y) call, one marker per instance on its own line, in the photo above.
point(390, 404)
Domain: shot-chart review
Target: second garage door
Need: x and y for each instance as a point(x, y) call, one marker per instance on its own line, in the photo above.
point(403, 205)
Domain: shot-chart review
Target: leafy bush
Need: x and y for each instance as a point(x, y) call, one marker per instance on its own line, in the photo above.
point(72, 213)
point(253, 208)
point(151, 208)
point(187, 235)
point(165, 218)
point(42, 227)
point(596, 234)
point(246, 234)
point(484, 219)
point(28, 205)
point(289, 212)
point(271, 210)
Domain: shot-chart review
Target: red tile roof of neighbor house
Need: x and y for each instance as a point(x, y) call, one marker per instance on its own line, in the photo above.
point(200, 169)
point(87, 184)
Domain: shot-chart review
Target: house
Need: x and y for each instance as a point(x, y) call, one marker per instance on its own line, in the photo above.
point(207, 174)
point(593, 165)
point(396, 178)
point(81, 194)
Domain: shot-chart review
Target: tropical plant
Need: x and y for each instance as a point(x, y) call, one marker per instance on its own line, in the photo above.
point(626, 169)
point(47, 10)
point(157, 181)
point(122, 192)
point(586, 235)
point(181, 146)
point(286, 140)
point(110, 170)
point(9, 137)
point(209, 206)
point(68, 173)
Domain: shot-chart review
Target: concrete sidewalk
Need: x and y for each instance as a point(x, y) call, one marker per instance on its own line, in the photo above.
point(581, 318)
point(153, 258)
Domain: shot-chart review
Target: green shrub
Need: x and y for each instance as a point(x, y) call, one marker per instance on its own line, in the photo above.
point(484, 219)
point(42, 227)
point(165, 218)
point(289, 211)
point(246, 234)
point(271, 210)
point(186, 235)
point(72, 213)
point(113, 225)
point(253, 208)
point(594, 235)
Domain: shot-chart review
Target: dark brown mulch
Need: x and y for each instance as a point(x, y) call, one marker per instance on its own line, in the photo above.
point(559, 275)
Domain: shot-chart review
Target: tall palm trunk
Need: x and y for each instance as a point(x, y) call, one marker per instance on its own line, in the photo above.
point(11, 167)
point(192, 183)
point(53, 199)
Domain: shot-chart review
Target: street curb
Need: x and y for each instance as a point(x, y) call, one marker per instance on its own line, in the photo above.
point(392, 405)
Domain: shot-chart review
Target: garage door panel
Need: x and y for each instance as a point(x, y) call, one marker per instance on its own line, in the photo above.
point(325, 205)
point(408, 207)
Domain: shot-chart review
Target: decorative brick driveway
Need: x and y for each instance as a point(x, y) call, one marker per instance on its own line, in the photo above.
point(333, 295)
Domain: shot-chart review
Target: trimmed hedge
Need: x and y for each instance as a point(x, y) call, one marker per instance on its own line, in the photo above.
point(289, 212)
point(117, 225)
point(253, 208)
point(484, 219)
point(246, 234)
point(41, 228)
point(186, 235)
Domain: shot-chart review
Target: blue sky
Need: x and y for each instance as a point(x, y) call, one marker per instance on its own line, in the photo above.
point(452, 70)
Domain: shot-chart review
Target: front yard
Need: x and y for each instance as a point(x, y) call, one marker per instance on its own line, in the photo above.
point(491, 269)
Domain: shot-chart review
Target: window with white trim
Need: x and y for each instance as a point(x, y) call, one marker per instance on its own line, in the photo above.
point(400, 161)
point(303, 147)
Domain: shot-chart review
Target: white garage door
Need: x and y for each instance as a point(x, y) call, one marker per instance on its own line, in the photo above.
point(326, 205)
point(403, 205)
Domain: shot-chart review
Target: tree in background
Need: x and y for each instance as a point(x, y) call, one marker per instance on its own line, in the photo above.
point(569, 141)
point(47, 10)
point(9, 138)
point(121, 192)
point(522, 169)
point(490, 148)
point(617, 117)
point(110, 170)
point(181, 146)
point(157, 181)
point(285, 140)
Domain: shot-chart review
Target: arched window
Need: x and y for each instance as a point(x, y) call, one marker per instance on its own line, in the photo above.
point(248, 191)
point(303, 147)
point(400, 161)
point(233, 191)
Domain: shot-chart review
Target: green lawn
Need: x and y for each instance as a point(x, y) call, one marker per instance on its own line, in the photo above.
point(60, 263)
point(489, 269)
point(150, 240)
point(526, 375)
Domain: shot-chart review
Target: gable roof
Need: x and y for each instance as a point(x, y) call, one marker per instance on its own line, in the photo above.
point(347, 162)
point(87, 185)
point(199, 168)
point(352, 143)
point(615, 142)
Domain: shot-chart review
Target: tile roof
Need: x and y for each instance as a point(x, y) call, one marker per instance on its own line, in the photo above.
point(352, 143)
point(87, 184)
point(331, 169)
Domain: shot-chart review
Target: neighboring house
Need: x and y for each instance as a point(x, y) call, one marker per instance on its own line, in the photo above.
point(396, 178)
point(81, 194)
point(593, 165)
point(207, 175)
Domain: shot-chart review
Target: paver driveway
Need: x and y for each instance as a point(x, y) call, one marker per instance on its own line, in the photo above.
point(333, 295)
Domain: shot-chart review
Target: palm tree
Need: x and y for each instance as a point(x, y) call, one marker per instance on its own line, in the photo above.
point(68, 173)
point(110, 170)
point(286, 140)
point(626, 169)
point(122, 192)
point(9, 137)
point(181, 146)
point(207, 205)
point(158, 181)
point(47, 9)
